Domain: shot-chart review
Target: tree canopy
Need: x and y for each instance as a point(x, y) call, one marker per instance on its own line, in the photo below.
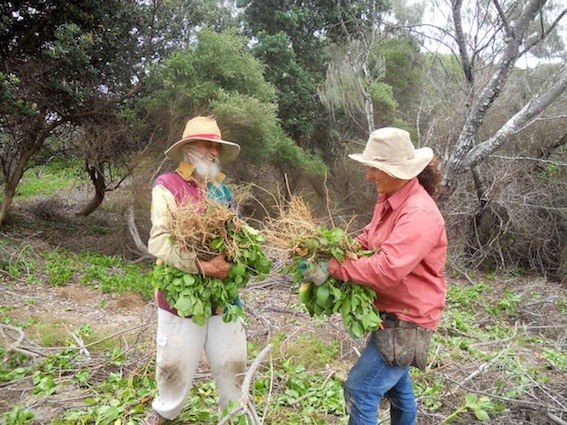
point(289, 80)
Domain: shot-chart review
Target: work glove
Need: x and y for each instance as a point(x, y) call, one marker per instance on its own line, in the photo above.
point(317, 273)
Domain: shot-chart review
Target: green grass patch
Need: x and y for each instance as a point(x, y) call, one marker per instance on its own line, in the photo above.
point(108, 273)
point(19, 415)
point(48, 179)
point(301, 383)
point(556, 359)
point(114, 274)
point(59, 267)
point(309, 349)
point(17, 261)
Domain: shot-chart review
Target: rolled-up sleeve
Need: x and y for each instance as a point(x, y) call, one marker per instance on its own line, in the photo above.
point(160, 243)
point(414, 235)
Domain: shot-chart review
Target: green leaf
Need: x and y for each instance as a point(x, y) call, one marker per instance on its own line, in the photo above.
point(471, 400)
point(345, 307)
point(357, 330)
point(238, 269)
point(481, 414)
point(251, 230)
point(322, 294)
point(188, 279)
point(184, 305)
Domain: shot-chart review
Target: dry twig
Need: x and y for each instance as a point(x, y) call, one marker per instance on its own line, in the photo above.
point(245, 405)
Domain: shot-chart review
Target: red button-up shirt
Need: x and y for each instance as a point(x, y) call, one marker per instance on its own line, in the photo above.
point(407, 232)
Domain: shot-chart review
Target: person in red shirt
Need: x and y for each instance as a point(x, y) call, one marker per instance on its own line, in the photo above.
point(407, 233)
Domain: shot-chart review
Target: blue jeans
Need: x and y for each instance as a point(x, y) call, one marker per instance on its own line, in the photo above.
point(369, 381)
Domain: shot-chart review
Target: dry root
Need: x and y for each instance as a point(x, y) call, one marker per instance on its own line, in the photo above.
point(293, 223)
point(195, 226)
point(296, 233)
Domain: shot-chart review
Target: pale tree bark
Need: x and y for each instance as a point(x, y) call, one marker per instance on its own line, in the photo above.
point(516, 33)
point(461, 41)
point(130, 216)
point(365, 84)
point(534, 107)
point(352, 71)
point(364, 77)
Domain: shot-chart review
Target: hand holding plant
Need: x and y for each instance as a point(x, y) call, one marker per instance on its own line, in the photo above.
point(317, 273)
point(311, 247)
point(213, 234)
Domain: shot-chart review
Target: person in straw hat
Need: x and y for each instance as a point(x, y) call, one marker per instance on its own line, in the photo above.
point(199, 153)
point(407, 233)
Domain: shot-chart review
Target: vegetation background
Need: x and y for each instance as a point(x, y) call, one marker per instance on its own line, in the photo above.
point(91, 94)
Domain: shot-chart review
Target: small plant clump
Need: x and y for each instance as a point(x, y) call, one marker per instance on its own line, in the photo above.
point(209, 230)
point(296, 233)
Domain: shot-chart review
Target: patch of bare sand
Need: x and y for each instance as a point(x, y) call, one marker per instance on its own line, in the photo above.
point(73, 305)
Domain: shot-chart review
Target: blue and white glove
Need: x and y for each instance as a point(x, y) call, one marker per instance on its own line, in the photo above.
point(317, 273)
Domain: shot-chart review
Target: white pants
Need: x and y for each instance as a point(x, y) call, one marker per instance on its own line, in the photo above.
point(180, 343)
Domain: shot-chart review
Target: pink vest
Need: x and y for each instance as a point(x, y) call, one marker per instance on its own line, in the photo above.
point(182, 190)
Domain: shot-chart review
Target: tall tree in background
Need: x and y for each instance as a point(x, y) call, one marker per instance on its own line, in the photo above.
point(61, 62)
point(68, 64)
point(372, 59)
point(516, 28)
point(218, 74)
point(504, 124)
point(300, 32)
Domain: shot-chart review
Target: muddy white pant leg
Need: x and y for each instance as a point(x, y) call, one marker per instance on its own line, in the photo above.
point(180, 343)
point(226, 351)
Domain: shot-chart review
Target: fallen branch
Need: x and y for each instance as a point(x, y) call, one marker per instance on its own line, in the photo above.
point(246, 406)
point(16, 345)
point(130, 218)
point(263, 285)
point(547, 407)
point(556, 419)
point(81, 346)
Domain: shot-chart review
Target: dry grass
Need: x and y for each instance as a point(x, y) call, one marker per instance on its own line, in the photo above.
point(296, 232)
point(195, 226)
point(294, 222)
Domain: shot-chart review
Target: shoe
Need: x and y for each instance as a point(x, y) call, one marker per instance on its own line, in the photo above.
point(154, 418)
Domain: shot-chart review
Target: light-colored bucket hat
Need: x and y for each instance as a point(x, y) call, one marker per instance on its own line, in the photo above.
point(390, 150)
point(203, 128)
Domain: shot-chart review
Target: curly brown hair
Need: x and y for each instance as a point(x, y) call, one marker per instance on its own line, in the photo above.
point(430, 179)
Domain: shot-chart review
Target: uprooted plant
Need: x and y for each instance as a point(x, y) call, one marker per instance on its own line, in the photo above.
point(296, 233)
point(208, 230)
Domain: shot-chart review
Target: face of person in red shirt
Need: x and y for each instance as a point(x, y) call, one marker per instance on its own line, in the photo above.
point(384, 183)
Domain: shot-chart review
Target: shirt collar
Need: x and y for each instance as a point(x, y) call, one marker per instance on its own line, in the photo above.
point(400, 196)
point(186, 170)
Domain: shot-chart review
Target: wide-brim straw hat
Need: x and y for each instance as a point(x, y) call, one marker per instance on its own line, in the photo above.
point(391, 150)
point(203, 128)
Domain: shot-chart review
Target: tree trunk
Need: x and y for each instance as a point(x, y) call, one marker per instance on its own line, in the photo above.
point(129, 215)
point(533, 108)
point(365, 86)
point(97, 177)
point(9, 192)
point(13, 180)
point(458, 162)
point(29, 147)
